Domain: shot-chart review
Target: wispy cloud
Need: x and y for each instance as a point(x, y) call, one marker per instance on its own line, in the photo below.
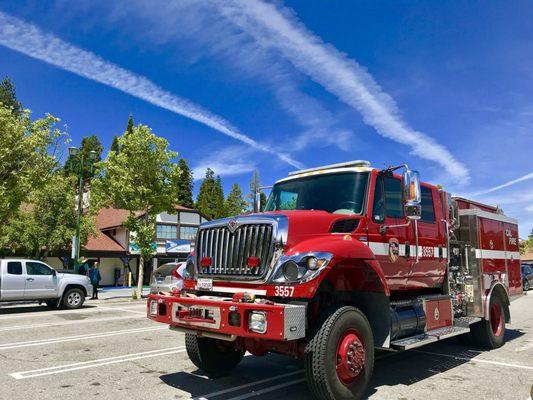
point(278, 28)
point(224, 162)
point(506, 184)
point(28, 39)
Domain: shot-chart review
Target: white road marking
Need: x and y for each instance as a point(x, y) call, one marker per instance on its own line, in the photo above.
point(246, 385)
point(41, 342)
point(95, 363)
point(46, 313)
point(74, 322)
point(268, 389)
point(502, 364)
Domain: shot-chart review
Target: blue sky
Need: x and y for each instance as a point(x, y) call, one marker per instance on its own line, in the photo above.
point(445, 87)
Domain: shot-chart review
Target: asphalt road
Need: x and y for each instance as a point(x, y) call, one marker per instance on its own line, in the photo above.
point(110, 350)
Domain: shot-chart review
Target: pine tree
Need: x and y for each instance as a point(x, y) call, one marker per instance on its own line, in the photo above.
point(88, 144)
point(220, 206)
point(205, 202)
point(129, 127)
point(8, 97)
point(185, 184)
point(235, 203)
point(114, 145)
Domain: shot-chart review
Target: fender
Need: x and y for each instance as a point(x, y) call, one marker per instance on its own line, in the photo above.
point(498, 286)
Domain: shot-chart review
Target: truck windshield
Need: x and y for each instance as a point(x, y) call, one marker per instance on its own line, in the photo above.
point(339, 193)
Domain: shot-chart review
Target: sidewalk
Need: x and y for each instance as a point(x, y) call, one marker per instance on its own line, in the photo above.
point(118, 293)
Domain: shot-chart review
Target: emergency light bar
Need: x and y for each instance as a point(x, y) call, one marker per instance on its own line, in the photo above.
point(355, 163)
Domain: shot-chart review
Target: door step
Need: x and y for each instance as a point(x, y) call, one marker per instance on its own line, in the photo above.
point(428, 337)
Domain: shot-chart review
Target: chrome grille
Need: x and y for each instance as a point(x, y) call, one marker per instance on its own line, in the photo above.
point(229, 252)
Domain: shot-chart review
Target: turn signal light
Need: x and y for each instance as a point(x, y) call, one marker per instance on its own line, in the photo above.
point(253, 262)
point(205, 262)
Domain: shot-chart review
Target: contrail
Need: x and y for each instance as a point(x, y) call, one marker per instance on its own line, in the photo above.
point(504, 185)
point(279, 30)
point(29, 40)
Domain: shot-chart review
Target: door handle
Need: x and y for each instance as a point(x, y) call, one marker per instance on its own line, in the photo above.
point(30, 279)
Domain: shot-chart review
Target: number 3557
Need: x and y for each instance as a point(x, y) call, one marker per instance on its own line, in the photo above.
point(284, 291)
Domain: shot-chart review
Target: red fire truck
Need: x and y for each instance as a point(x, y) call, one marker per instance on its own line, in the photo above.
point(344, 259)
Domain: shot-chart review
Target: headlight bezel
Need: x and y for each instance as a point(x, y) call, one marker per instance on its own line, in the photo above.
point(305, 274)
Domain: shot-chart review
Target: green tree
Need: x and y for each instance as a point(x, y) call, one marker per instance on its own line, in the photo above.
point(26, 157)
point(130, 126)
point(527, 244)
point(47, 221)
point(114, 145)
point(88, 144)
point(8, 97)
point(185, 184)
point(220, 204)
point(206, 200)
point(139, 178)
point(235, 203)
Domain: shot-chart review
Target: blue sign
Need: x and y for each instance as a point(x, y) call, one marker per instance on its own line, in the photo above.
point(178, 246)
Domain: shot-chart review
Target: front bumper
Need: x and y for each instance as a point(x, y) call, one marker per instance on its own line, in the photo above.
point(226, 318)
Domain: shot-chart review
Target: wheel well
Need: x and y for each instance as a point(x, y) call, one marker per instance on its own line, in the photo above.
point(374, 305)
point(499, 290)
point(74, 286)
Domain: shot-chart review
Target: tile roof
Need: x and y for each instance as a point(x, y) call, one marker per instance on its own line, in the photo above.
point(101, 242)
point(111, 217)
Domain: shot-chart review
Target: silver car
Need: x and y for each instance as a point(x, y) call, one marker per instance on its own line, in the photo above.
point(167, 277)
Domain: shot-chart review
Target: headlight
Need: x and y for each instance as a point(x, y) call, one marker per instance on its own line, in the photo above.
point(300, 267)
point(258, 322)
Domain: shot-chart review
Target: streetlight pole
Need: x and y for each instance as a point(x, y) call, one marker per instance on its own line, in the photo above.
point(73, 151)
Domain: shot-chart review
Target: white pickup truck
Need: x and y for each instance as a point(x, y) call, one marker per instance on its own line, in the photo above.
point(32, 280)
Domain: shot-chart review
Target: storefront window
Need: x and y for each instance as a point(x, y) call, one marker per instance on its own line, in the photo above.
point(166, 231)
point(188, 232)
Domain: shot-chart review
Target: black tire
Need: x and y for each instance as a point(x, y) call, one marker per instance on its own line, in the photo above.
point(212, 355)
point(526, 285)
point(52, 303)
point(73, 299)
point(490, 333)
point(322, 357)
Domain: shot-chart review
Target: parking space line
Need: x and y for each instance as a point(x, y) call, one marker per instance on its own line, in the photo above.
point(46, 313)
point(499, 363)
point(268, 389)
point(73, 322)
point(41, 342)
point(246, 385)
point(95, 363)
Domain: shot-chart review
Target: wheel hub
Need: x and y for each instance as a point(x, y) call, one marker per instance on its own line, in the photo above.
point(350, 356)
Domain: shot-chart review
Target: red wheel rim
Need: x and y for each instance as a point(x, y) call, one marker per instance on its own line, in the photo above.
point(350, 356)
point(496, 319)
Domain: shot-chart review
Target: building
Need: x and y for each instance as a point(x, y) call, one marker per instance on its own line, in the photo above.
point(114, 246)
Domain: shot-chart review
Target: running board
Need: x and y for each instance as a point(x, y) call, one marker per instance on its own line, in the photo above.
point(429, 337)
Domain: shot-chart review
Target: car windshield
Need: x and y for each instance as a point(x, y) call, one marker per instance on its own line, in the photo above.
point(165, 270)
point(339, 193)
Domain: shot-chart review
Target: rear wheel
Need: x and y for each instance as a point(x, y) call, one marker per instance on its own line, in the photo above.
point(73, 298)
point(339, 358)
point(212, 355)
point(526, 285)
point(490, 333)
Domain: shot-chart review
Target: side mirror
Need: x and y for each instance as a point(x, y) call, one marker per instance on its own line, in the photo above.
point(411, 195)
point(257, 202)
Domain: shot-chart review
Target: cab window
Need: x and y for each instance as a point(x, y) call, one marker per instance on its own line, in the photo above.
point(428, 208)
point(14, 268)
point(35, 268)
point(378, 207)
point(393, 197)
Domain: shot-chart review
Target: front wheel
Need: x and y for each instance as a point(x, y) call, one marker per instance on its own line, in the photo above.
point(73, 298)
point(490, 333)
point(339, 357)
point(526, 285)
point(212, 355)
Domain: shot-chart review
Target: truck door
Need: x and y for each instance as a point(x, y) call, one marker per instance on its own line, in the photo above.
point(13, 281)
point(389, 245)
point(430, 269)
point(41, 281)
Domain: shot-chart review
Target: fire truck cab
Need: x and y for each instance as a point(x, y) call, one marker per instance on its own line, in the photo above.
point(344, 259)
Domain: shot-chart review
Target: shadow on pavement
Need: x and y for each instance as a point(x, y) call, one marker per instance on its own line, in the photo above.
point(8, 308)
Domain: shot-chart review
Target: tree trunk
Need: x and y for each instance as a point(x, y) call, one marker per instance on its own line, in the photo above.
point(140, 278)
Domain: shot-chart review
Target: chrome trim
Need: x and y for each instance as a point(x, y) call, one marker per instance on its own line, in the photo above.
point(251, 235)
point(278, 277)
point(486, 313)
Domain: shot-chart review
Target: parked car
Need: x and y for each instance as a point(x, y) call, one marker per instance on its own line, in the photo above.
point(32, 280)
point(167, 277)
point(527, 276)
